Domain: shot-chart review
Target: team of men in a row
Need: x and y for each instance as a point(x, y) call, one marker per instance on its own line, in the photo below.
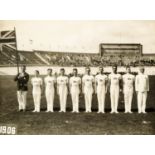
point(88, 84)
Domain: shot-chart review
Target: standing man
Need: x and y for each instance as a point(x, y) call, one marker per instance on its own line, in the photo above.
point(128, 89)
point(62, 89)
point(142, 87)
point(37, 83)
point(75, 85)
point(50, 82)
point(101, 89)
point(114, 82)
point(88, 88)
point(22, 79)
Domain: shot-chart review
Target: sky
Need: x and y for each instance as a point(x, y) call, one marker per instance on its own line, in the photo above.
point(80, 36)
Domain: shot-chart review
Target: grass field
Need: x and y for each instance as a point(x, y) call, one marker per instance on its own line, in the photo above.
point(68, 123)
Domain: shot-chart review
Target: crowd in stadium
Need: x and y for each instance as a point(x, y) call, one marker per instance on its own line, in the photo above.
point(96, 60)
point(65, 59)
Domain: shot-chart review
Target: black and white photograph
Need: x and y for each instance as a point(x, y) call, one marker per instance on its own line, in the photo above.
point(83, 77)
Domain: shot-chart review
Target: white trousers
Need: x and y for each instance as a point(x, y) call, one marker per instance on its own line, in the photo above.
point(36, 99)
point(101, 100)
point(49, 99)
point(142, 97)
point(75, 101)
point(114, 96)
point(128, 95)
point(22, 99)
point(63, 99)
point(88, 101)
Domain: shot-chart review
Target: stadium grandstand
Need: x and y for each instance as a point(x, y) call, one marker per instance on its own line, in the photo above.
point(109, 54)
point(44, 58)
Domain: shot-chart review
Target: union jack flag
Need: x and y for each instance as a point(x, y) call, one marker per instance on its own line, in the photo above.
point(8, 40)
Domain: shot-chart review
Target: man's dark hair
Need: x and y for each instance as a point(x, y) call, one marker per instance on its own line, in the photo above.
point(127, 66)
point(75, 69)
point(114, 66)
point(37, 71)
point(62, 69)
point(49, 69)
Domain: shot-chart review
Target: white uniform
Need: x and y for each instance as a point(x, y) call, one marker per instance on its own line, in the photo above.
point(62, 82)
point(142, 87)
point(88, 81)
point(49, 91)
point(75, 91)
point(114, 91)
point(100, 81)
point(128, 88)
point(36, 92)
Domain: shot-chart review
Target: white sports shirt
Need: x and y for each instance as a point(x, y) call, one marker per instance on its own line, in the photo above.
point(36, 83)
point(128, 82)
point(114, 78)
point(88, 81)
point(75, 82)
point(62, 82)
point(101, 79)
point(49, 82)
point(142, 83)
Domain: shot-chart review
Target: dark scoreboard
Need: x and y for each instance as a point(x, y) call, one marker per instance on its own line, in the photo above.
point(120, 49)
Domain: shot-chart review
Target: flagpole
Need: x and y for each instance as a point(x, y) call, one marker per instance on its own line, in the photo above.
point(17, 54)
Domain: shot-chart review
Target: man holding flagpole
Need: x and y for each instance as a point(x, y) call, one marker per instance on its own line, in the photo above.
point(22, 79)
